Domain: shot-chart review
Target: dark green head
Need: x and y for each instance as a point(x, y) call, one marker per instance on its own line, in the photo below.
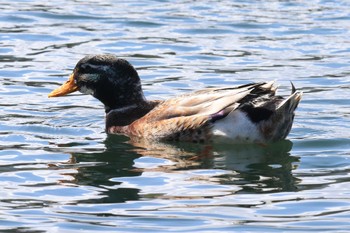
point(113, 81)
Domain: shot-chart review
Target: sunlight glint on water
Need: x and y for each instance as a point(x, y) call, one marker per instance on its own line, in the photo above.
point(61, 172)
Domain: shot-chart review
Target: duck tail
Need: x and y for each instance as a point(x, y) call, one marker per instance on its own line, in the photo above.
point(285, 114)
point(289, 105)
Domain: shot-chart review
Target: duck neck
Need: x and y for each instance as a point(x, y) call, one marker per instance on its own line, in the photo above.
point(126, 102)
point(123, 116)
point(119, 95)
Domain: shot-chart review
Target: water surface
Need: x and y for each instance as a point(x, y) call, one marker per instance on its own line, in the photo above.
point(59, 171)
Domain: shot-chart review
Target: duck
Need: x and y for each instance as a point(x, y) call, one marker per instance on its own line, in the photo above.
point(249, 113)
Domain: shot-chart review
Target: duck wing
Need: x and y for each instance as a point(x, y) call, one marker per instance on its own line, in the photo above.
point(191, 115)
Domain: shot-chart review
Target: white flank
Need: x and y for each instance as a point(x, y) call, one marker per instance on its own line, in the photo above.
point(237, 127)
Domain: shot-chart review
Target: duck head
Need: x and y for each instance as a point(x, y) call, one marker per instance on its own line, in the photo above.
point(111, 80)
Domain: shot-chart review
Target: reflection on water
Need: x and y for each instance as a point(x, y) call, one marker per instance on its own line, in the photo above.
point(247, 168)
point(60, 172)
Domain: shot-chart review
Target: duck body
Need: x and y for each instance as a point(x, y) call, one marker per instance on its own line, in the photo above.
point(247, 113)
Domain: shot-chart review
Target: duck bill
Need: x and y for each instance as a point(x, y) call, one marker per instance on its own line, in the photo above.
point(68, 87)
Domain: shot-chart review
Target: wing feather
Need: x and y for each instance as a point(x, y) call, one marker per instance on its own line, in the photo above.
point(186, 113)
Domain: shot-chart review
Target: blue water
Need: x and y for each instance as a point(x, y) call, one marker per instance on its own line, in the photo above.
point(59, 171)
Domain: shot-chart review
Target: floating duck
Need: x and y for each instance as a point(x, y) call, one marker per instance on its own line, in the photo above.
point(248, 113)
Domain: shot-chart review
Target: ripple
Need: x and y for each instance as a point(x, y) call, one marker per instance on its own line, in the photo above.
point(60, 172)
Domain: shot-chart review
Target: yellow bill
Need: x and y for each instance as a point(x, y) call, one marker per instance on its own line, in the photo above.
point(66, 88)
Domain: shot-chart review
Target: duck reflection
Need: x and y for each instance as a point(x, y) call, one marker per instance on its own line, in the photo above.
point(260, 168)
point(255, 168)
point(96, 169)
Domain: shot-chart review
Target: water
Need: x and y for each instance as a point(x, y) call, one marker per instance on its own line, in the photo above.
point(61, 173)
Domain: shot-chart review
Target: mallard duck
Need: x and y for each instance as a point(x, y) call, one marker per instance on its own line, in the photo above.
point(246, 113)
